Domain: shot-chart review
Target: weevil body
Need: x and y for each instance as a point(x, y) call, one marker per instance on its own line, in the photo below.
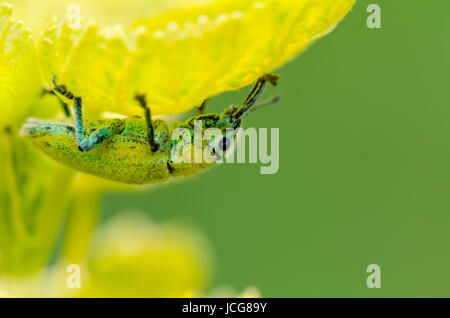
point(135, 150)
point(126, 156)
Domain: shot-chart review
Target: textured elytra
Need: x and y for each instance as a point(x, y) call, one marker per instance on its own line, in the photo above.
point(181, 56)
point(125, 157)
point(138, 166)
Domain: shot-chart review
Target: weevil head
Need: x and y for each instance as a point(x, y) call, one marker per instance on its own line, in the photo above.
point(212, 124)
point(202, 140)
point(197, 143)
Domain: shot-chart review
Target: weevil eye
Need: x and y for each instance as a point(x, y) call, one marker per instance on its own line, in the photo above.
point(224, 144)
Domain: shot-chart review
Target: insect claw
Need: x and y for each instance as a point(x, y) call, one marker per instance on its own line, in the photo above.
point(62, 89)
point(271, 78)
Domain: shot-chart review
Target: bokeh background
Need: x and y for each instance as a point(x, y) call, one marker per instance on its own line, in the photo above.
point(364, 169)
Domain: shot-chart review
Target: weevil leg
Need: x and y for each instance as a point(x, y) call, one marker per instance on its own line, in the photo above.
point(202, 108)
point(255, 93)
point(154, 146)
point(62, 89)
point(64, 106)
point(89, 142)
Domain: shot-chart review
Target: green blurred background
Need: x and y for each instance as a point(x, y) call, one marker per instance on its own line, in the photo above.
point(364, 168)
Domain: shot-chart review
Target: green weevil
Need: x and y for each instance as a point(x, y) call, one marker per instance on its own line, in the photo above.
point(134, 150)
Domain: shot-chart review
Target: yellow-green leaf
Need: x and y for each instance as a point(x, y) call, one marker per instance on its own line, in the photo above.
point(20, 80)
point(183, 55)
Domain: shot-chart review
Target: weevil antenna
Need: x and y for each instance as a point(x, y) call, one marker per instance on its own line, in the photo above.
point(264, 104)
point(254, 95)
